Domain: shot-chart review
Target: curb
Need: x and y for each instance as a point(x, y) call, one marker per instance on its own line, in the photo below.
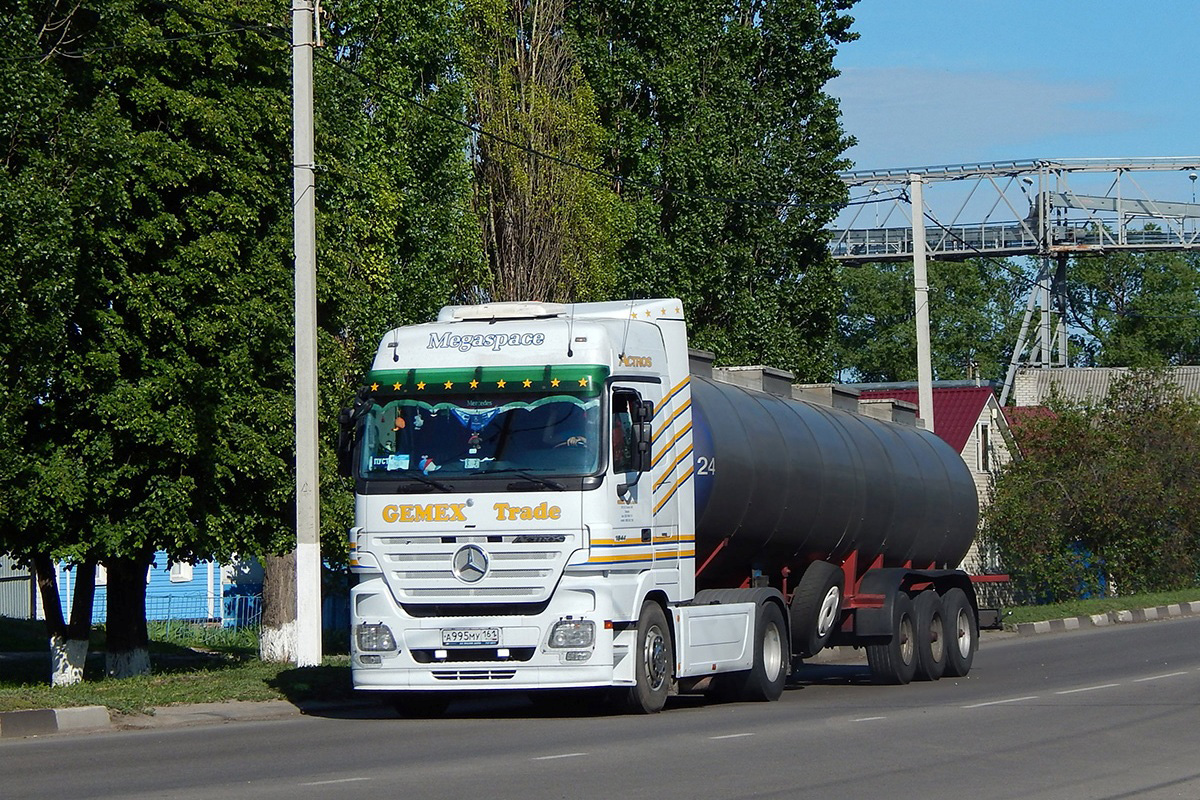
point(1111, 618)
point(15, 724)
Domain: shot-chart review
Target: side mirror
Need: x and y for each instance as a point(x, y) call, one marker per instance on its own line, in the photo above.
point(345, 442)
point(348, 419)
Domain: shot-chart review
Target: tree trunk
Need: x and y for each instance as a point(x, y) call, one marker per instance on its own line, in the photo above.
point(68, 643)
point(277, 640)
point(128, 650)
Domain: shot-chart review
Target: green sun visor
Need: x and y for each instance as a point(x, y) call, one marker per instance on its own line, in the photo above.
point(585, 380)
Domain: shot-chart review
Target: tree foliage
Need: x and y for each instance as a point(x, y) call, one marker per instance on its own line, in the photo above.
point(717, 120)
point(1105, 497)
point(550, 226)
point(973, 320)
point(1136, 309)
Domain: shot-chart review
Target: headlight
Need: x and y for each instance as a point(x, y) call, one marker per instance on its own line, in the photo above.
point(573, 633)
point(374, 637)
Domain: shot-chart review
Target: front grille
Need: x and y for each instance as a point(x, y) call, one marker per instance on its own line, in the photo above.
point(474, 674)
point(420, 569)
point(476, 654)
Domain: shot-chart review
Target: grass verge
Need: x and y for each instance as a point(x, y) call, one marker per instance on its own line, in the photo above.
point(191, 664)
point(1097, 605)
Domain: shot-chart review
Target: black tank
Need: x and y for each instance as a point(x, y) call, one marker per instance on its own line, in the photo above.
point(787, 481)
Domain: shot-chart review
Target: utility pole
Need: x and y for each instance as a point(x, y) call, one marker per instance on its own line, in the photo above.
point(308, 515)
point(921, 290)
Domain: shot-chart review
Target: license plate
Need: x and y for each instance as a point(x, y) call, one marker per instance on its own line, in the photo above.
point(470, 637)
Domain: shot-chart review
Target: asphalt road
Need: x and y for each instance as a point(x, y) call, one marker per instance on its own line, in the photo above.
point(1087, 715)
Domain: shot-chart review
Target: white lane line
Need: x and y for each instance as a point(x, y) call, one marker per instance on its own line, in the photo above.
point(1088, 688)
point(1001, 702)
point(330, 783)
point(867, 719)
point(731, 736)
point(560, 755)
point(1160, 677)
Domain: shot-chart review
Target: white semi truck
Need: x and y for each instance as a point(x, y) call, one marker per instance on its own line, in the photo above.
point(546, 499)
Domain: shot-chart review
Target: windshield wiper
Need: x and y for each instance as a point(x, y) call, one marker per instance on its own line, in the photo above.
point(549, 484)
point(427, 480)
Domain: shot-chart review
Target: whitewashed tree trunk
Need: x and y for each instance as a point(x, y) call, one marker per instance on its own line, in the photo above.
point(67, 657)
point(277, 644)
point(127, 663)
point(279, 637)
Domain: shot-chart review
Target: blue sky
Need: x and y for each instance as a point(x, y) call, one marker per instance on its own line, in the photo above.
point(933, 82)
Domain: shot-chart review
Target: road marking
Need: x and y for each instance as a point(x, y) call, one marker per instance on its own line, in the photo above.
point(867, 719)
point(1160, 677)
point(731, 736)
point(560, 755)
point(1088, 688)
point(330, 783)
point(1001, 702)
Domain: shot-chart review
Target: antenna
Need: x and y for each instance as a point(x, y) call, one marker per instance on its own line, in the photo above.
point(571, 331)
point(625, 336)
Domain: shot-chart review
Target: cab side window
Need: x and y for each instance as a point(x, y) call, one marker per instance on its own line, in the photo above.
point(622, 430)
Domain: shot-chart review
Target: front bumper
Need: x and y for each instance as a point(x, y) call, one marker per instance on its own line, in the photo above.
point(522, 659)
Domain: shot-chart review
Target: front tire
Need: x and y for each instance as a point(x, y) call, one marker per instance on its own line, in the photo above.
point(655, 662)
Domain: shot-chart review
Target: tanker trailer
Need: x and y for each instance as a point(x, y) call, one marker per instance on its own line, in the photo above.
point(871, 516)
point(547, 499)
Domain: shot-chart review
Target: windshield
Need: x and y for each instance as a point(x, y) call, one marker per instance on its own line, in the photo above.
point(460, 431)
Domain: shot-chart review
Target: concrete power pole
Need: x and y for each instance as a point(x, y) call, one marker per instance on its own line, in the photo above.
point(308, 515)
point(921, 290)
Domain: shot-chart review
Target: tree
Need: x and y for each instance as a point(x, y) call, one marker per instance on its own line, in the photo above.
point(973, 320)
point(1136, 309)
point(551, 227)
point(159, 412)
point(1104, 497)
point(728, 150)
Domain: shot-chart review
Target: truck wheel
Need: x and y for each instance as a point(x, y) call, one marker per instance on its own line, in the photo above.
point(931, 636)
point(655, 661)
point(764, 681)
point(962, 632)
point(816, 608)
point(896, 661)
point(420, 705)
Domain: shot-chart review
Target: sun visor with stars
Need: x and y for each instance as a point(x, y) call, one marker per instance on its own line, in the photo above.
point(585, 380)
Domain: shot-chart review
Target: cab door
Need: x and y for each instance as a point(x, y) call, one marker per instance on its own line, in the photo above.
point(633, 531)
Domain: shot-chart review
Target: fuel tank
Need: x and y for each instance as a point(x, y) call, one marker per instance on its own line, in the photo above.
point(785, 481)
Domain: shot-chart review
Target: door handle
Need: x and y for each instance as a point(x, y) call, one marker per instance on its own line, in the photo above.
point(645, 534)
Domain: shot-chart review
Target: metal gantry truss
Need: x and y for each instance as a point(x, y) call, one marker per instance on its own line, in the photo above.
point(1050, 209)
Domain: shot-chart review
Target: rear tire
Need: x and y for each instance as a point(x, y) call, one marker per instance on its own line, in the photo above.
point(895, 662)
point(764, 681)
point(962, 632)
point(931, 636)
point(655, 661)
point(816, 608)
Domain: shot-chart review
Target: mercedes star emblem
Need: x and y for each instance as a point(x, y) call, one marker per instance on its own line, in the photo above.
point(470, 563)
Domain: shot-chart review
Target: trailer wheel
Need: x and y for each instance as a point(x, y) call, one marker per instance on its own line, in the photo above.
point(764, 681)
point(816, 607)
point(896, 660)
point(962, 632)
point(655, 661)
point(931, 636)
